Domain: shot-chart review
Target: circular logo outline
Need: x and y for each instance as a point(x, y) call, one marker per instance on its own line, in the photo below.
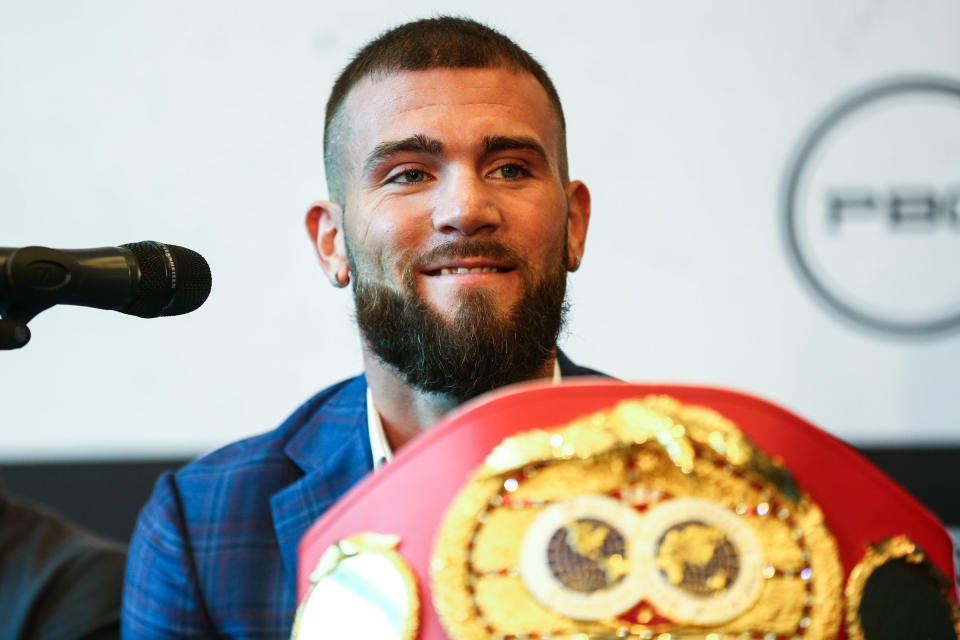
point(549, 591)
point(826, 123)
point(678, 604)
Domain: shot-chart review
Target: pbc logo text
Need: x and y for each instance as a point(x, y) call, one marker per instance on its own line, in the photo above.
point(902, 209)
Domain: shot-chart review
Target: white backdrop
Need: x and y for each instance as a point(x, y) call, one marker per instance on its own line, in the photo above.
point(200, 124)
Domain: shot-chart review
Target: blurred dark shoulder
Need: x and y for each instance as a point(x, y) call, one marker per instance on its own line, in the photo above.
point(57, 580)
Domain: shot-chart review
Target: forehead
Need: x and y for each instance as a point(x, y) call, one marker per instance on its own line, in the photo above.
point(455, 106)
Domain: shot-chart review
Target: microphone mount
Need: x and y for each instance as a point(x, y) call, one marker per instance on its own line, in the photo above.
point(13, 334)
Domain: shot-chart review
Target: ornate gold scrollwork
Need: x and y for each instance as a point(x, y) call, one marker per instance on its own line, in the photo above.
point(362, 588)
point(903, 550)
point(652, 517)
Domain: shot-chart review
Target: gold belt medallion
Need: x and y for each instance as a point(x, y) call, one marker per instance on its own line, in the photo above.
point(652, 519)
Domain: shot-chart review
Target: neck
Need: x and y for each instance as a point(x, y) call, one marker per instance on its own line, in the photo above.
point(407, 412)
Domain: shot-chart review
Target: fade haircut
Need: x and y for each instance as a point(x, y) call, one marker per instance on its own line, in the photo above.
point(444, 42)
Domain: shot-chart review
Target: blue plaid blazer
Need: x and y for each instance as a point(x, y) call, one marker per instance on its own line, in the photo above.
point(214, 553)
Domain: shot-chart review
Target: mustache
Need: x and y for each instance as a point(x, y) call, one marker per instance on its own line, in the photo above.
point(466, 249)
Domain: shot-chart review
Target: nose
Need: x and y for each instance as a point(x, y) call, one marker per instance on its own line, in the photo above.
point(466, 206)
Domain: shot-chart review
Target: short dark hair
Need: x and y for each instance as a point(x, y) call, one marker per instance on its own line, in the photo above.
point(444, 42)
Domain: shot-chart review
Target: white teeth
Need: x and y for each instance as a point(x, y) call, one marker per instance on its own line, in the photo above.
point(445, 271)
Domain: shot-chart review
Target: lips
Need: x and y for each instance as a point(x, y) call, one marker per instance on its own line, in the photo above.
point(446, 272)
point(465, 267)
point(468, 258)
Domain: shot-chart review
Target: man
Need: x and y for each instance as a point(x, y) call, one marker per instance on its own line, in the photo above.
point(452, 215)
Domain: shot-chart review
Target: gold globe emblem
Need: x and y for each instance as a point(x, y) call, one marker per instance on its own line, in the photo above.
point(587, 555)
point(698, 558)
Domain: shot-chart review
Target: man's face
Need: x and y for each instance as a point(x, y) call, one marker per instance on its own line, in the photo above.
point(454, 202)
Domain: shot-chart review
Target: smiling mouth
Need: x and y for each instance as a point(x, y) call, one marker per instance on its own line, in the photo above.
point(447, 271)
point(469, 258)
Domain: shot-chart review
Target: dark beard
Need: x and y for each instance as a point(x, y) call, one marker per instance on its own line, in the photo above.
point(478, 350)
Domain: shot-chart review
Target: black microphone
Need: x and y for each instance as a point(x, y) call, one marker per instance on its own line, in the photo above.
point(145, 279)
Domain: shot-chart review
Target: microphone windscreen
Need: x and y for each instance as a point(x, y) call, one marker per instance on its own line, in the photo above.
point(173, 280)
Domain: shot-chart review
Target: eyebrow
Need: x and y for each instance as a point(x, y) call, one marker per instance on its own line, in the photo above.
point(418, 143)
point(492, 144)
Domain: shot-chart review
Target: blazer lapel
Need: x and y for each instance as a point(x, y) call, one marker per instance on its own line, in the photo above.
point(333, 450)
point(569, 370)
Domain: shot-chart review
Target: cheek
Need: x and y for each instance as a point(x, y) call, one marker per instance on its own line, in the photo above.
point(543, 231)
point(395, 241)
point(384, 246)
point(392, 219)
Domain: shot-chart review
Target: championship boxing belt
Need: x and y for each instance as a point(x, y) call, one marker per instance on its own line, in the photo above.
point(609, 510)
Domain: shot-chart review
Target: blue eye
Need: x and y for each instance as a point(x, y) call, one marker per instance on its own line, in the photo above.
point(412, 175)
point(512, 171)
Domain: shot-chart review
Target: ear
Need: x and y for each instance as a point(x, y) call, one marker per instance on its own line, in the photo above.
point(325, 228)
point(578, 219)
